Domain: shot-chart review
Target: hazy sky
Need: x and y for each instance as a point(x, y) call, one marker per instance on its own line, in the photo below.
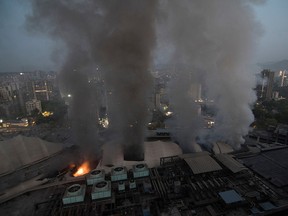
point(22, 51)
point(273, 16)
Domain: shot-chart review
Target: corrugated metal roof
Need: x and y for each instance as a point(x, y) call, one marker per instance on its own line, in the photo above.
point(230, 163)
point(202, 164)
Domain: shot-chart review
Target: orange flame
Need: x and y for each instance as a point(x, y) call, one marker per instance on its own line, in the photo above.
point(82, 170)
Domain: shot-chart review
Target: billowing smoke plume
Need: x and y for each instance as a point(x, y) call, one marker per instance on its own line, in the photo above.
point(126, 53)
point(119, 37)
point(208, 42)
point(186, 120)
point(215, 40)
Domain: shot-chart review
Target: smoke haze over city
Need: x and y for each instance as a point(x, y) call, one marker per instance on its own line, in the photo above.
point(121, 37)
point(197, 35)
point(143, 107)
point(217, 53)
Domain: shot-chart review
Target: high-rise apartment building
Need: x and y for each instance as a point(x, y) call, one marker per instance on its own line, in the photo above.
point(32, 105)
point(265, 90)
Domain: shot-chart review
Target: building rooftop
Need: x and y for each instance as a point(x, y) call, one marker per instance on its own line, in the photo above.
point(202, 163)
point(232, 164)
point(177, 178)
point(152, 152)
point(267, 206)
point(272, 165)
point(230, 197)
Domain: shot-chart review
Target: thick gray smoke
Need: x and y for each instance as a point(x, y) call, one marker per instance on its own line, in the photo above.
point(126, 53)
point(215, 39)
point(208, 42)
point(186, 120)
point(118, 36)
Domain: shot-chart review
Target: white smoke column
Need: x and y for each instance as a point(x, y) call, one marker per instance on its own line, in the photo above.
point(216, 39)
point(185, 122)
point(117, 35)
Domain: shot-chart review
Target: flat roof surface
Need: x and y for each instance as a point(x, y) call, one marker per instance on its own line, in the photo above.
point(202, 163)
point(272, 165)
point(230, 196)
point(232, 164)
point(267, 206)
point(153, 151)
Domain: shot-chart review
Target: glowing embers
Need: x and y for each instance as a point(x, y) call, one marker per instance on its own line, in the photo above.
point(73, 194)
point(140, 170)
point(82, 170)
point(101, 190)
point(118, 174)
point(95, 176)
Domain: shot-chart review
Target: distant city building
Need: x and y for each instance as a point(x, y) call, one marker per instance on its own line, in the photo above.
point(195, 91)
point(5, 93)
point(265, 90)
point(32, 105)
point(14, 123)
point(42, 90)
point(10, 99)
point(283, 78)
point(8, 91)
point(18, 88)
point(196, 94)
point(160, 98)
point(9, 110)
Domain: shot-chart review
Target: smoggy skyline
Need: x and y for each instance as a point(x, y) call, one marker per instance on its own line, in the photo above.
point(23, 50)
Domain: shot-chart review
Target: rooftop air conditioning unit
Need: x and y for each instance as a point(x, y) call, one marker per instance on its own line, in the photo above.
point(74, 193)
point(140, 170)
point(101, 190)
point(118, 174)
point(95, 176)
